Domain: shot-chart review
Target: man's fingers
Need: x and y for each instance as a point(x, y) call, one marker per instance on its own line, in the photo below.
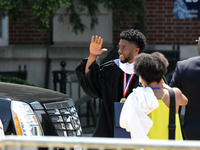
point(101, 41)
point(96, 39)
point(92, 40)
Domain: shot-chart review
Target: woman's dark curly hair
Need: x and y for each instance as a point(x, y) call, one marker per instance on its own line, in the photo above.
point(151, 67)
point(136, 37)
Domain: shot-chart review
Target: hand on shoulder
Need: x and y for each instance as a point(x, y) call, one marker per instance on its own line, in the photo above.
point(163, 85)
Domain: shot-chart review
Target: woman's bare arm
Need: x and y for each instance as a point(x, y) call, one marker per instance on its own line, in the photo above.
point(182, 99)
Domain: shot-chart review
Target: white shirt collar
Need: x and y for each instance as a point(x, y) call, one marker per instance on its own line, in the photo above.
point(127, 67)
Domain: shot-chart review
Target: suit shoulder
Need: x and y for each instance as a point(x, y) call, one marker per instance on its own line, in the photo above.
point(196, 58)
point(190, 60)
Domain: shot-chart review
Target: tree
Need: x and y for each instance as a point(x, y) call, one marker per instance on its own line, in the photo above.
point(44, 10)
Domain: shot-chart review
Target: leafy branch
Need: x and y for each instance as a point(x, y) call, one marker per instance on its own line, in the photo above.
point(44, 10)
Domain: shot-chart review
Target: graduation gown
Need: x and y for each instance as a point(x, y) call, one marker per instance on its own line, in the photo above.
point(106, 83)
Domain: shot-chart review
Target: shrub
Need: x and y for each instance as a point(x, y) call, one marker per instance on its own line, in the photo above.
point(14, 80)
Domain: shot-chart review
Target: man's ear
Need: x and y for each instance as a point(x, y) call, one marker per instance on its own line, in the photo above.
point(137, 50)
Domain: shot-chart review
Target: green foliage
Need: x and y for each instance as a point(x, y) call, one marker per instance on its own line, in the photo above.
point(44, 11)
point(76, 8)
point(14, 80)
point(11, 8)
point(133, 8)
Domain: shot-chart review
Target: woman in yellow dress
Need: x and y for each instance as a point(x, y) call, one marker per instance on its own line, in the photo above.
point(151, 68)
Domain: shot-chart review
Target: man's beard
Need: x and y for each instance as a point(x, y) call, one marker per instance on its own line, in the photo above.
point(124, 61)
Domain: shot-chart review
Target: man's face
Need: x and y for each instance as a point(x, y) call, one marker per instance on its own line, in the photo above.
point(127, 51)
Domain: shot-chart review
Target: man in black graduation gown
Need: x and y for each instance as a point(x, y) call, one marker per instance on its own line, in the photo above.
point(113, 80)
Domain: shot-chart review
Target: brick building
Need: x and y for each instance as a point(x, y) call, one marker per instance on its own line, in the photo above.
point(161, 28)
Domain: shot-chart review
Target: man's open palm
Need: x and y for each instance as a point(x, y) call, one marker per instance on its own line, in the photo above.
point(95, 46)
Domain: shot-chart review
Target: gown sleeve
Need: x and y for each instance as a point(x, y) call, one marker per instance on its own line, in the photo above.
point(91, 82)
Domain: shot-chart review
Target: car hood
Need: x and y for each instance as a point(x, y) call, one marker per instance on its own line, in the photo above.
point(29, 94)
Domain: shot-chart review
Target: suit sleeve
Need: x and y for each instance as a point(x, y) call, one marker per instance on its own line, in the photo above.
point(90, 82)
point(176, 78)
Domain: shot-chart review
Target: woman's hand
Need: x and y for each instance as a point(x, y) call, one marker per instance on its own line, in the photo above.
point(163, 85)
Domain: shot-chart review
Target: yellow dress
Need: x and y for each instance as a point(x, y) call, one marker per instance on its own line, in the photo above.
point(160, 118)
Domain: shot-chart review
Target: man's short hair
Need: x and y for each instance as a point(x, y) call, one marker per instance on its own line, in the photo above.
point(136, 37)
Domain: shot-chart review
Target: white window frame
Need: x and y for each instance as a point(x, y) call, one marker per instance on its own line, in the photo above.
point(4, 38)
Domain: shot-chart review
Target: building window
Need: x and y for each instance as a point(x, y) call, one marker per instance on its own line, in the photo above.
point(4, 31)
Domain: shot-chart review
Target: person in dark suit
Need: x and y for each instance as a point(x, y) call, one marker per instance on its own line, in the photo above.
point(187, 78)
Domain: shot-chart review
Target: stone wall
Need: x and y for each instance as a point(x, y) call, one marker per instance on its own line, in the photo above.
point(34, 57)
